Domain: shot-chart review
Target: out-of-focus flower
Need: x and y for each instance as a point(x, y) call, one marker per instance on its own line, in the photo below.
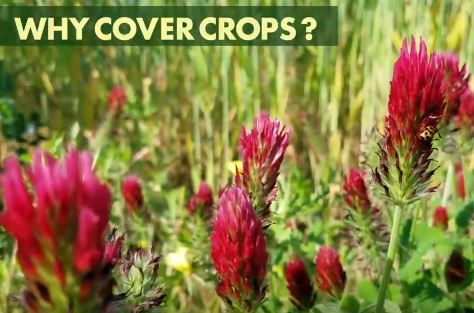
point(440, 218)
point(465, 117)
point(263, 149)
point(415, 108)
point(456, 80)
point(455, 271)
point(60, 227)
point(330, 275)
point(116, 100)
point(179, 260)
point(132, 193)
point(239, 251)
point(460, 180)
point(355, 191)
point(139, 283)
point(113, 249)
point(366, 227)
point(299, 285)
point(202, 201)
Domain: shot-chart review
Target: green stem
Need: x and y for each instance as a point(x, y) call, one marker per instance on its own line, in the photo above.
point(264, 309)
point(11, 273)
point(459, 306)
point(392, 250)
point(447, 184)
point(413, 223)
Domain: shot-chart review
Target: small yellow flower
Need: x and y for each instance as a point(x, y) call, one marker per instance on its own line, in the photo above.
point(143, 244)
point(179, 261)
point(278, 269)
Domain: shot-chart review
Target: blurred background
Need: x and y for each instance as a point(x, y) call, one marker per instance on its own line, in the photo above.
point(190, 102)
point(186, 106)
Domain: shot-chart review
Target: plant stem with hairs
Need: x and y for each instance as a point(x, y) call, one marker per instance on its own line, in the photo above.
point(392, 250)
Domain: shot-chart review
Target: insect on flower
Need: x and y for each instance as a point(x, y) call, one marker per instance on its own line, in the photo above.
point(427, 133)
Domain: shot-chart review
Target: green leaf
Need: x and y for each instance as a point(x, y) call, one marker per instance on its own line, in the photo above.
point(464, 216)
point(328, 308)
point(389, 307)
point(349, 304)
point(427, 297)
point(405, 233)
point(367, 292)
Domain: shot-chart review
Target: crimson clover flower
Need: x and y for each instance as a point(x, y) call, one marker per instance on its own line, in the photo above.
point(116, 99)
point(263, 149)
point(239, 252)
point(440, 218)
point(113, 249)
point(364, 214)
point(367, 228)
point(456, 270)
point(465, 116)
point(140, 283)
point(132, 193)
point(355, 191)
point(415, 108)
point(58, 212)
point(461, 188)
point(202, 201)
point(330, 275)
point(299, 285)
point(456, 80)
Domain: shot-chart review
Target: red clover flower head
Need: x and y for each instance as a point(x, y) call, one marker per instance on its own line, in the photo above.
point(263, 149)
point(415, 108)
point(239, 251)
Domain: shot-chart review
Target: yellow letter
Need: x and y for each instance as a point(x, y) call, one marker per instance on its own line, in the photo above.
point(147, 32)
point(240, 28)
point(167, 28)
point(183, 28)
point(116, 28)
point(203, 28)
point(79, 26)
point(226, 26)
point(62, 28)
point(287, 25)
point(269, 25)
point(30, 25)
point(98, 28)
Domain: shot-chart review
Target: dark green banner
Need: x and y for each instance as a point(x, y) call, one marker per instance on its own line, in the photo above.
point(169, 25)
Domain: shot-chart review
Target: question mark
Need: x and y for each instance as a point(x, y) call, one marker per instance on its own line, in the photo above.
point(312, 24)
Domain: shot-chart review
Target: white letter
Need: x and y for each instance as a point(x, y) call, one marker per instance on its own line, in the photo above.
point(184, 25)
point(269, 25)
point(203, 28)
point(240, 28)
point(226, 25)
point(147, 32)
point(116, 28)
point(167, 28)
point(79, 26)
point(60, 28)
point(98, 28)
point(30, 26)
point(287, 25)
